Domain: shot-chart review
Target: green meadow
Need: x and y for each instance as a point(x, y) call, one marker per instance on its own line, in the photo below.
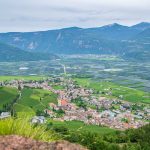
point(7, 95)
point(58, 87)
point(8, 78)
point(129, 94)
point(80, 126)
point(33, 100)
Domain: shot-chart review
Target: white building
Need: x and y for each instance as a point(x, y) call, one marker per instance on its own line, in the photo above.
point(5, 115)
point(38, 119)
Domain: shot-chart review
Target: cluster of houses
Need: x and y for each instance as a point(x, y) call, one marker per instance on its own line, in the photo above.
point(112, 119)
point(102, 111)
point(114, 113)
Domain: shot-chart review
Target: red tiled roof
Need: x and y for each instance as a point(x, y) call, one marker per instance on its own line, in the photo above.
point(64, 102)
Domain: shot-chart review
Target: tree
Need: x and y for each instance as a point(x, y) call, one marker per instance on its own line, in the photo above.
point(61, 129)
point(39, 113)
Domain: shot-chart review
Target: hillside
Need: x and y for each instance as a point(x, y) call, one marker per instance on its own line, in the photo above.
point(31, 136)
point(7, 96)
point(109, 39)
point(10, 53)
point(139, 46)
point(141, 26)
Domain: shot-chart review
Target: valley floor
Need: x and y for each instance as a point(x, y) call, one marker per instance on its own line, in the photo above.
point(73, 108)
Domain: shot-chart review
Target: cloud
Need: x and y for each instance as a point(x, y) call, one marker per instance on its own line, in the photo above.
point(31, 15)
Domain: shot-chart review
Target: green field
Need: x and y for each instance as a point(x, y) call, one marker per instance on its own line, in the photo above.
point(129, 94)
point(34, 99)
point(103, 58)
point(7, 95)
point(31, 99)
point(8, 78)
point(80, 126)
point(58, 87)
point(23, 111)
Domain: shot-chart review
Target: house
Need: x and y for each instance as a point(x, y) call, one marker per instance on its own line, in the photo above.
point(50, 113)
point(53, 106)
point(38, 119)
point(126, 106)
point(5, 115)
point(62, 102)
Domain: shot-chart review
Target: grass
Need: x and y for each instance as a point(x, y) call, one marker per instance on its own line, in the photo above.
point(22, 127)
point(103, 58)
point(8, 78)
point(129, 94)
point(80, 126)
point(58, 87)
point(30, 101)
point(23, 110)
point(35, 99)
point(7, 95)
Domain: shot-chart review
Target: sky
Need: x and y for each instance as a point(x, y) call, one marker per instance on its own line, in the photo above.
point(39, 15)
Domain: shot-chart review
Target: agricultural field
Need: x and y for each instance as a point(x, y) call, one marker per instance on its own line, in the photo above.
point(33, 100)
point(78, 125)
point(133, 74)
point(7, 95)
point(128, 94)
point(8, 78)
point(23, 111)
point(58, 87)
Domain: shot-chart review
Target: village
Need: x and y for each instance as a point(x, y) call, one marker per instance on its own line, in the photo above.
point(81, 104)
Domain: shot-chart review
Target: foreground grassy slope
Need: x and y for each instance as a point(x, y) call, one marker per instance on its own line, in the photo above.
point(129, 94)
point(24, 128)
point(133, 139)
point(7, 95)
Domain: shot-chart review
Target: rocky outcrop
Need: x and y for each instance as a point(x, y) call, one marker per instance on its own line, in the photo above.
point(14, 142)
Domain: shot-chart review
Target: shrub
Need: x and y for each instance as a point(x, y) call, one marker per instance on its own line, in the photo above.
point(24, 128)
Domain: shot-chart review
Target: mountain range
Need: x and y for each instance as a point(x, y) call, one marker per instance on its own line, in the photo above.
point(128, 42)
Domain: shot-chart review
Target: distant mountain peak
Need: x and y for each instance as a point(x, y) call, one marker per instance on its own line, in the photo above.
point(114, 25)
point(72, 28)
point(141, 25)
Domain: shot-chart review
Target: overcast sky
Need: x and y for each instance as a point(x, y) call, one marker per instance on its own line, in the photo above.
point(32, 15)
